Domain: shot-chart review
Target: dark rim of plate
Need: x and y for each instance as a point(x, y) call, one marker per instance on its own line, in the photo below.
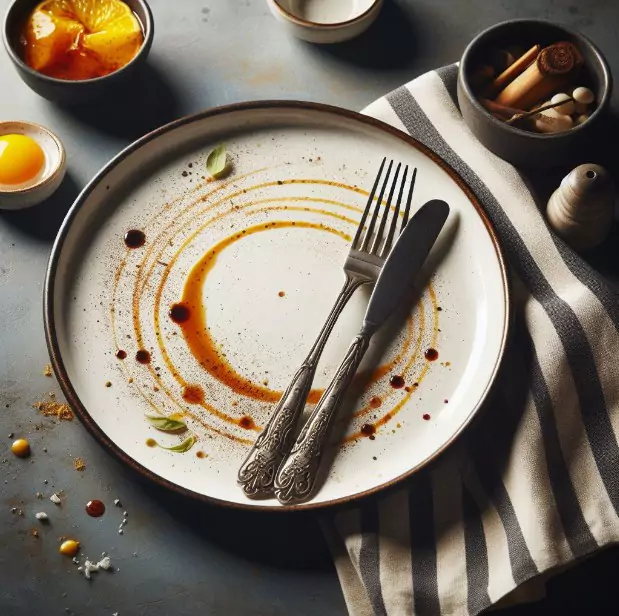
point(50, 282)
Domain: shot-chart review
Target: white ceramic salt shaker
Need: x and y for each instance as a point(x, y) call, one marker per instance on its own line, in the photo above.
point(581, 209)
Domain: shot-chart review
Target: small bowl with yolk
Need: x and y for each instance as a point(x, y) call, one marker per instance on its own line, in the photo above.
point(32, 164)
point(76, 51)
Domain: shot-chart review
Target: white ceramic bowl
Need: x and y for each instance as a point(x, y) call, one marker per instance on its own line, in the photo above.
point(51, 175)
point(326, 21)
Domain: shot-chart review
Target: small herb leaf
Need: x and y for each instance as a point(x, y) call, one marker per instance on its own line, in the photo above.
point(166, 424)
point(186, 445)
point(216, 161)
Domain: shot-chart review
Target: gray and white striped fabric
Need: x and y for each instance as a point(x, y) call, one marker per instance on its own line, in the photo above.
point(534, 484)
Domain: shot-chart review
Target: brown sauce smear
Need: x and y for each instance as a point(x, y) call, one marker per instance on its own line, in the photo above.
point(193, 394)
point(247, 422)
point(195, 329)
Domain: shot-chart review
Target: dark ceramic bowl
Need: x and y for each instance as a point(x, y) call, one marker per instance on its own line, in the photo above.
point(65, 91)
point(520, 147)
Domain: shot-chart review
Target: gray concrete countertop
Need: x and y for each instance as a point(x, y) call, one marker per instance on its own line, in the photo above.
point(177, 557)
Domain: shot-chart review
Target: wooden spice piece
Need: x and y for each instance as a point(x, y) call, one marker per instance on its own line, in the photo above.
point(554, 68)
point(515, 69)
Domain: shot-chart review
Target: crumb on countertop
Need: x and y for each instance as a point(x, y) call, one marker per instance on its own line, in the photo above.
point(47, 371)
point(79, 464)
point(51, 408)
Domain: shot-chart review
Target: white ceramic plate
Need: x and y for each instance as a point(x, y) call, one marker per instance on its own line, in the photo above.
point(280, 225)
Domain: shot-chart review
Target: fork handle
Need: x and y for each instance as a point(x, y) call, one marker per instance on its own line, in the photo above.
point(257, 473)
point(297, 475)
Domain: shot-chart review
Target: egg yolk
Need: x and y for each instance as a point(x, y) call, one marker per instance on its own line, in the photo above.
point(21, 159)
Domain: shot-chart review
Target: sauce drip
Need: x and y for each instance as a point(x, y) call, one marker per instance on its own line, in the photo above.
point(195, 329)
point(375, 402)
point(426, 416)
point(396, 381)
point(282, 293)
point(194, 394)
point(179, 313)
point(143, 356)
point(121, 354)
point(200, 454)
point(431, 354)
point(95, 508)
point(247, 422)
point(368, 430)
point(151, 442)
point(135, 238)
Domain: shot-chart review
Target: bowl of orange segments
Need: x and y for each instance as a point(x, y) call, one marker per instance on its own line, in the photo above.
point(72, 50)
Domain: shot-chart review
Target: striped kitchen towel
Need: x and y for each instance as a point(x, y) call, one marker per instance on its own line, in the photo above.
point(533, 485)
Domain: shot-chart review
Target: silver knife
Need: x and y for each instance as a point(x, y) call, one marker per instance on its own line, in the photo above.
point(296, 477)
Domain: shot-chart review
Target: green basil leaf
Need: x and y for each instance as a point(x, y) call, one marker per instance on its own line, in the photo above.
point(166, 424)
point(216, 161)
point(186, 445)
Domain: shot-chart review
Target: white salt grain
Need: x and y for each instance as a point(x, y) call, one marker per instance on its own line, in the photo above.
point(55, 499)
point(41, 516)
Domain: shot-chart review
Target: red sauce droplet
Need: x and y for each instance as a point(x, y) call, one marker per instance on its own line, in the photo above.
point(179, 313)
point(408, 389)
point(143, 356)
point(281, 293)
point(426, 416)
point(121, 354)
point(247, 422)
point(194, 394)
point(151, 442)
point(396, 381)
point(375, 402)
point(135, 238)
point(446, 401)
point(95, 508)
point(368, 430)
point(200, 454)
point(431, 354)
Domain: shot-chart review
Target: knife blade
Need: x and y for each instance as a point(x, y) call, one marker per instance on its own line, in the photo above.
point(405, 261)
point(296, 477)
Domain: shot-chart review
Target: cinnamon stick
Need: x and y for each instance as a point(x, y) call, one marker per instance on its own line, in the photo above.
point(500, 110)
point(554, 68)
point(515, 69)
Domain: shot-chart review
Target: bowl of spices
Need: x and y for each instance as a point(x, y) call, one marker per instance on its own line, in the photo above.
point(534, 92)
point(74, 51)
point(32, 164)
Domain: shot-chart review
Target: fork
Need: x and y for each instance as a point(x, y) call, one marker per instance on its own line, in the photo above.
point(362, 266)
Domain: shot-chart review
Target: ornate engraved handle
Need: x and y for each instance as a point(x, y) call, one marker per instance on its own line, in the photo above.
point(257, 473)
point(297, 475)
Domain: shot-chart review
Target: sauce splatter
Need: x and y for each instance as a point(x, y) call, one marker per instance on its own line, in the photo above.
point(431, 354)
point(426, 416)
point(121, 354)
point(179, 313)
point(282, 293)
point(194, 394)
point(396, 381)
point(151, 442)
point(135, 238)
point(143, 356)
point(201, 455)
point(95, 508)
point(368, 430)
point(247, 422)
point(375, 402)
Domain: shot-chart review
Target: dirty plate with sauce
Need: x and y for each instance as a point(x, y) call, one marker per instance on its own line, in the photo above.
point(177, 304)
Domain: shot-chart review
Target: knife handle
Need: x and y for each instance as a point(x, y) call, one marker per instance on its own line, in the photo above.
point(257, 473)
point(297, 475)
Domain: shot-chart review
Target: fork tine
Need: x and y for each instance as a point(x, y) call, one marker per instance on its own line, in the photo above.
point(408, 200)
point(369, 204)
point(381, 229)
point(368, 236)
point(396, 214)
